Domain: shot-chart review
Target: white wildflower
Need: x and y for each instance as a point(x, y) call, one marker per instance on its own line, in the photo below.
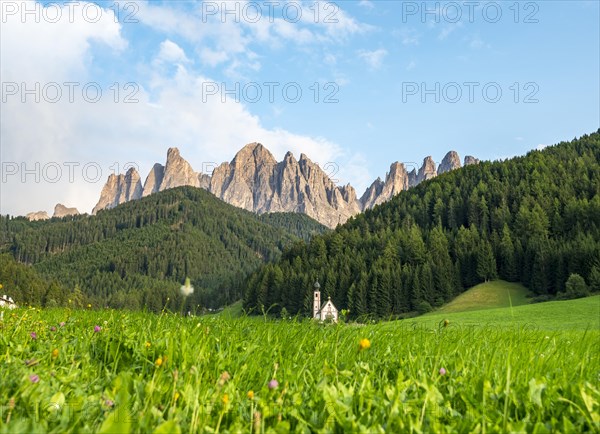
point(187, 288)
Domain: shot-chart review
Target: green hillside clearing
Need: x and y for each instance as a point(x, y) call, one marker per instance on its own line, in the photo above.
point(580, 314)
point(489, 295)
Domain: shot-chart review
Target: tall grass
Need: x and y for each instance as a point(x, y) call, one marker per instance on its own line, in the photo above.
point(168, 373)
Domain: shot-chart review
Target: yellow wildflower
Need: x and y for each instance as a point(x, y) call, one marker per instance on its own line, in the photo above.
point(363, 344)
point(225, 399)
point(55, 353)
point(158, 362)
point(148, 344)
point(250, 394)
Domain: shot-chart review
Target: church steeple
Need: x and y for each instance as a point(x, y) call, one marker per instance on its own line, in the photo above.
point(317, 300)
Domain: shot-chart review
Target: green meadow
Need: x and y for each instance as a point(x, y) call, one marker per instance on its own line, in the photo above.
point(529, 368)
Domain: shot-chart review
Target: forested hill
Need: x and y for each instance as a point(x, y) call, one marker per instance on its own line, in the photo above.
point(533, 219)
point(139, 253)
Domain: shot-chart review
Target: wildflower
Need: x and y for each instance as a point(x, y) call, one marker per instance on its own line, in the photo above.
point(33, 335)
point(148, 344)
point(89, 306)
point(109, 403)
point(224, 378)
point(273, 384)
point(176, 396)
point(187, 288)
point(34, 378)
point(442, 371)
point(55, 353)
point(158, 362)
point(97, 329)
point(62, 324)
point(446, 323)
point(105, 322)
point(250, 394)
point(52, 329)
point(363, 344)
point(225, 399)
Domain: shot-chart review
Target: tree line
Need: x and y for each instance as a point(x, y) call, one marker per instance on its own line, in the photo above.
point(533, 219)
point(138, 254)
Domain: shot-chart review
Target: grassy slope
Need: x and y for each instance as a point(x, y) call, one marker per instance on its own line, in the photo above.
point(489, 295)
point(580, 314)
point(493, 382)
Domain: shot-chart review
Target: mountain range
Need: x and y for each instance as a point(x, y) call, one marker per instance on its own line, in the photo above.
point(255, 181)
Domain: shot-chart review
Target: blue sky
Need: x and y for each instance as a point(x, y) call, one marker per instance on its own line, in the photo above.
point(406, 80)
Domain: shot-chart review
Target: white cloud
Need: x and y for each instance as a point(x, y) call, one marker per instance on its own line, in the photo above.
point(169, 112)
point(374, 59)
point(172, 53)
point(367, 4)
point(213, 58)
point(411, 65)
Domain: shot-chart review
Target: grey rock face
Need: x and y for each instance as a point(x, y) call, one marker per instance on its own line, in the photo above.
point(153, 180)
point(427, 170)
point(255, 181)
point(371, 194)
point(450, 162)
point(178, 172)
point(119, 189)
point(62, 211)
point(39, 215)
point(469, 160)
point(396, 180)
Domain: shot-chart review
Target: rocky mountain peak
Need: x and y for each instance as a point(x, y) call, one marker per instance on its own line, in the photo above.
point(177, 172)
point(255, 181)
point(427, 170)
point(154, 179)
point(469, 160)
point(119, 189)
point(450, 162)
point(62, 211)
point(38, 215)
point(396, 180)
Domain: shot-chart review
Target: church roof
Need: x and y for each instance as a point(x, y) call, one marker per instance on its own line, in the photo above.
point(327, 302)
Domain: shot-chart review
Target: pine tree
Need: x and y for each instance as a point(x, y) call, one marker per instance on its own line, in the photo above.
point(486, 263)
point(506, 259)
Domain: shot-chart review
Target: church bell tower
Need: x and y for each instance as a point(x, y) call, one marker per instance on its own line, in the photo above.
point(317, 300)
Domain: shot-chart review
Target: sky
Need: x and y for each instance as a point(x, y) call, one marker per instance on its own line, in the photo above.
point(90, 89)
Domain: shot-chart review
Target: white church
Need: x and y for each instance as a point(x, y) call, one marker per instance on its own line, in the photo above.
point(325, 312)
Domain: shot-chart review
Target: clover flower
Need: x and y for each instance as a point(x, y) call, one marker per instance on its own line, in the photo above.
point(273, 384)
